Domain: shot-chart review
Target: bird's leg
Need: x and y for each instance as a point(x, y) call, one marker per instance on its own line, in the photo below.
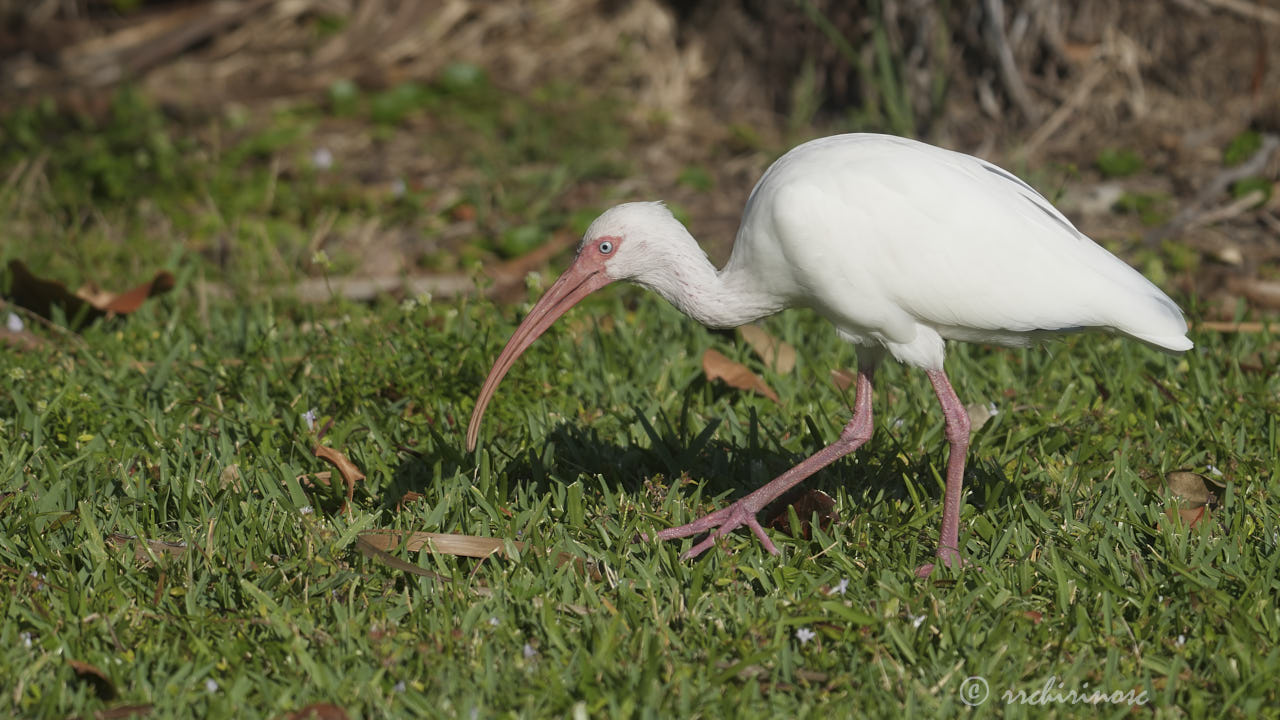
point(957, 430)
point(743, 512)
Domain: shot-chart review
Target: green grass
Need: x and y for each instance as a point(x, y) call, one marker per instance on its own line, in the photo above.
point(132, 189)
point(599, 434)
point(184, 424)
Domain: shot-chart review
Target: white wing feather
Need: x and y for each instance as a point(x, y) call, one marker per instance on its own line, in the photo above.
point(892, 239)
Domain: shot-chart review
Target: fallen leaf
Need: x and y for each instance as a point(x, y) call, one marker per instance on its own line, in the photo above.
point(1190, 515)
point(350, 473)
point(1193, 497)
point(123, 711)
point(319, 711)
point(1265, 293)
point(1230, 326)
point(230, 477)
point(806, 504)
point(102, 684)
point(409, 498)
point(979, 414)
point(145, 549)
point(776, 354)
point(310, 480)
point(718, 367)
point(376, 543)
point(843, 379)
point(41, 296)
point(1035, 616)
point(1189, 486)
point(448, 543)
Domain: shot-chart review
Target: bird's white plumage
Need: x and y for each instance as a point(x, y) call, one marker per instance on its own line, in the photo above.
point(899, 244)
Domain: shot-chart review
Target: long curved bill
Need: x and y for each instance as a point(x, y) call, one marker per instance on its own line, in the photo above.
point(579, 281)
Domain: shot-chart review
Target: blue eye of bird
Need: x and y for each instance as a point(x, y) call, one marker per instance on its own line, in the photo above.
point(606, 247)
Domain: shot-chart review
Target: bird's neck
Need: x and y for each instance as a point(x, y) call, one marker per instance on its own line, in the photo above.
point(724, 298)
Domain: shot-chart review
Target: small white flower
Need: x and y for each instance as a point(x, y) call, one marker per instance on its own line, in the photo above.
point(992, 409)
point(26, 640)
point(840, 587)
point(533, 281)
point(1182, 640)
point(15, 323)
point(1212, 469)
point(305, 510)
point(399, 687)
point(804, 635)
point(211, 685)
point(310, 418)
point(322, 158)
point(529, 652)
point(493, 621)
point(916, 620)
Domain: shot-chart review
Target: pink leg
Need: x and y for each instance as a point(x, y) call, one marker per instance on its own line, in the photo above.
point(957, 429)
point(743, 512)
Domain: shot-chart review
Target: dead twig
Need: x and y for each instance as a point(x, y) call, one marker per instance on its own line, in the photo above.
point(1230, 326)
point(1194, 210)
point(1008, 67)
point(1247, 10)
point(1079, 96)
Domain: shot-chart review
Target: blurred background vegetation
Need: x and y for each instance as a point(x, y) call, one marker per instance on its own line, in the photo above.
point(404, 145)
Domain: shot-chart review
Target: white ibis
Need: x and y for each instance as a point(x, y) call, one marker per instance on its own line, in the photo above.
point(901, 245)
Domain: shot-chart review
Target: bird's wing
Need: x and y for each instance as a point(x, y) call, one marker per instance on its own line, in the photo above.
point(894, 231)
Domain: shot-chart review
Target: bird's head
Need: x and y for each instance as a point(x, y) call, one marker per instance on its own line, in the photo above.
point(634, 241)
point(627, 242)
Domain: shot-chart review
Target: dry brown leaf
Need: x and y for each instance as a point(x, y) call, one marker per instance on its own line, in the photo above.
point(319, 711)
point(312, 479)
point(102, 684)
point(41, 296)
point(979, 414)
point(350, 473)
point(158, 548)
point(718, 367)
point(230, 477)
point(1264, 293)
point(1194, 498)
point(776, 354)
point(1189, 486)
point(123, 711)
point(1191, 516)
point(371, 549)
point(1228, 326)
point(806, 504)
point(377, 542)
point(409, 498)
point(843, 379)
point(448, 543)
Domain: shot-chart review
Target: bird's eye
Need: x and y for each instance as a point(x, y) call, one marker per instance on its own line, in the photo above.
point(605, 247)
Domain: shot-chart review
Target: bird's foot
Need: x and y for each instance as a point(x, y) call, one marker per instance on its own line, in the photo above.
point(947, 556)
point(720, 523)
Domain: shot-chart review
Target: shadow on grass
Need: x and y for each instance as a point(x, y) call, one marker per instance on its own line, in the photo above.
point(874, 474)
